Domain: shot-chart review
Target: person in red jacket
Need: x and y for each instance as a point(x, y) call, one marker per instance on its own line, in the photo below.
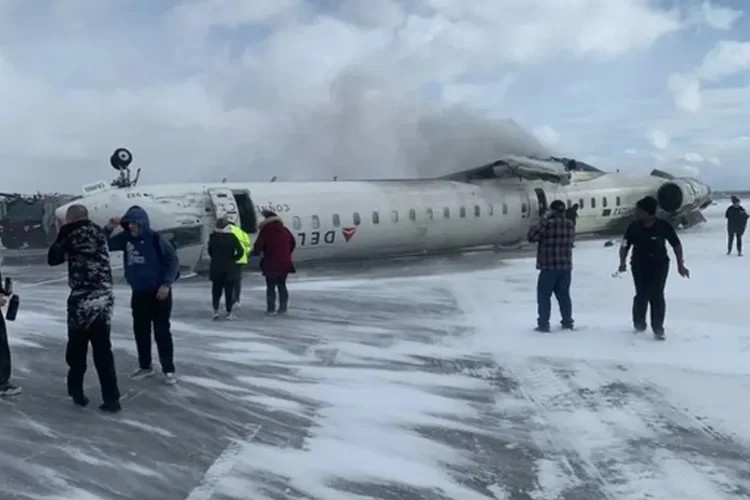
point(276, 243)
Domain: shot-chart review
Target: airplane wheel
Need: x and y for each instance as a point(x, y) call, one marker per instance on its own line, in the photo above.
point(121, 159)
point(11, 242)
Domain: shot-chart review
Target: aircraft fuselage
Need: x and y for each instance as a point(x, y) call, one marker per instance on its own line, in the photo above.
point(365, 219)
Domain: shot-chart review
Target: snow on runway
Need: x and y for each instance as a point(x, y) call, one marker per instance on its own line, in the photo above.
point(424, 381)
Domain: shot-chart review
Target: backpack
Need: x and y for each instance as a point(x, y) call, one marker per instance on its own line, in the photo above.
point(157, 244)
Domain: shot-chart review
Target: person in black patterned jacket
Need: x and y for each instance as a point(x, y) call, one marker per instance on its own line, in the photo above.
point(84, 246)
point(555, 236)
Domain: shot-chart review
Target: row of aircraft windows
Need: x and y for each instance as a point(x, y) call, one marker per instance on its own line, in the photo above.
point(592, 203)
point(357, 219)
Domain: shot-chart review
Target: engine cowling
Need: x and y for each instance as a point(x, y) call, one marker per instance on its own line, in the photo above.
point(683, 194)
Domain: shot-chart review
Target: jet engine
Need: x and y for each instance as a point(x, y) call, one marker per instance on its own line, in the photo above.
point(683, 194)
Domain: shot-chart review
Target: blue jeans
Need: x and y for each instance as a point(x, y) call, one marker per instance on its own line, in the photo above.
point(555, 281)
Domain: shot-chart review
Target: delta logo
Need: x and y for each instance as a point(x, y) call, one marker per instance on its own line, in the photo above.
point(348, 233)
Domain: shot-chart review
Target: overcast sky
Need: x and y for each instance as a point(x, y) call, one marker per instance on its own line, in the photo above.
point(304, 89)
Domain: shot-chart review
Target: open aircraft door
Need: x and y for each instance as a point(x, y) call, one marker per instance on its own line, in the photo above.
point(224, 204)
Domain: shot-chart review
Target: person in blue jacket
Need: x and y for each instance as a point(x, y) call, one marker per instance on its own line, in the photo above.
point(151, 267)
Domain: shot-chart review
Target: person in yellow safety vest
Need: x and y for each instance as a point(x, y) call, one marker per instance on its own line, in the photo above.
point(242, 261)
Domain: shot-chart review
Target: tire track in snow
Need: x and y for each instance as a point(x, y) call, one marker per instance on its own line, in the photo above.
point(637, 444)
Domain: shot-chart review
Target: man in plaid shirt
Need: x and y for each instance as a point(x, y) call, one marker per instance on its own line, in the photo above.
point(554, 235)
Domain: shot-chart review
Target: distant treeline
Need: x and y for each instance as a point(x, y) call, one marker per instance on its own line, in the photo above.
point(728, 194)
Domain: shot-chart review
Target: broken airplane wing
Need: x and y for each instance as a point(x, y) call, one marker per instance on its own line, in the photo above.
point(515, 166)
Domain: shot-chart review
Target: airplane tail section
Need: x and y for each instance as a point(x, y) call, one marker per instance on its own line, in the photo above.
point(552, 170)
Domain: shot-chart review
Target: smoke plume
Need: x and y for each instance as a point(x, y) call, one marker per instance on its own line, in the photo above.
point(368, 130)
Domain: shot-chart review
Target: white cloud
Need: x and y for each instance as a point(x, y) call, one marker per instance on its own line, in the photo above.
point(547, 135)
point(722, 18)
point(686, 92)
point(694, 158)
point(725, 59)
point(659, 139)
point(631, 152)
point(211, 88)
point(714, 161)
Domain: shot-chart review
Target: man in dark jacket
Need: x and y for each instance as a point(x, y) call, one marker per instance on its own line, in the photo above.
point(276, 243)
point(736, 223)
point(650, 263)
point(224, 248)
point(151, 267)
point(572, 213)
point(554, 235)
point(6, 387)
point(83, 245)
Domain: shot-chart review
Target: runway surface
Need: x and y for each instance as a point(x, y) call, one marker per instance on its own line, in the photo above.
point(421, 379)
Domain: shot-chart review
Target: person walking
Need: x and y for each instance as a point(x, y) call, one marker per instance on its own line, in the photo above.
point(6, 387)
point(277, 244)
point(83, 245)
point(554, 235)
point(224, 248)
point(151, 268)
point(736, 224)
point(649, 264)
point(241, 261)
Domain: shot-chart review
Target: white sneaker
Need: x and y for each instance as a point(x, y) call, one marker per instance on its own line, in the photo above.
point(170, 378)
point(8, 389)
point(230, 317)
point(142, 373)
point(216, 315)
point(236, 305)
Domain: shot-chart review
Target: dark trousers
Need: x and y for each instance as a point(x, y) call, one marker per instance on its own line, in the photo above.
point(731, 238)
point(272, 284)
point(98, 334)
point(555, 281)
point(4, 352)
point(228, 287)
point(238, 286)
point(650, 280)
point(148, 310)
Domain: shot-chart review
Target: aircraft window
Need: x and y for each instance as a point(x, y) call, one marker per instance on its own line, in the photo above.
point(336, 220)
point(593, 202)
point(617, 201)
point(375, 218)
point(296, 223)
point(394, 216)
point(315, 222)
point(447, 213)
point(505, 208)
point(604, 202)
point(580, 203)
point(524, 208)
point(413, 214)
point(462, 212)
point(356, 218)
point(490, 209)
point(429, 213)
point(476, 211)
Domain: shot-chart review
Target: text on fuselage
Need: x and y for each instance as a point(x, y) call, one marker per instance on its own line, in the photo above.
point(273, 207)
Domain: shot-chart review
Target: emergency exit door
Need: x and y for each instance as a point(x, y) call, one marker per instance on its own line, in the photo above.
point(224, 204)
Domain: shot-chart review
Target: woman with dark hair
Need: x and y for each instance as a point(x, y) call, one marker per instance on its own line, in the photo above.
point(650, 263)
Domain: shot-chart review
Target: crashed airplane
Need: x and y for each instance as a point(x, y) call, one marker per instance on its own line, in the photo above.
point(492, 205)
